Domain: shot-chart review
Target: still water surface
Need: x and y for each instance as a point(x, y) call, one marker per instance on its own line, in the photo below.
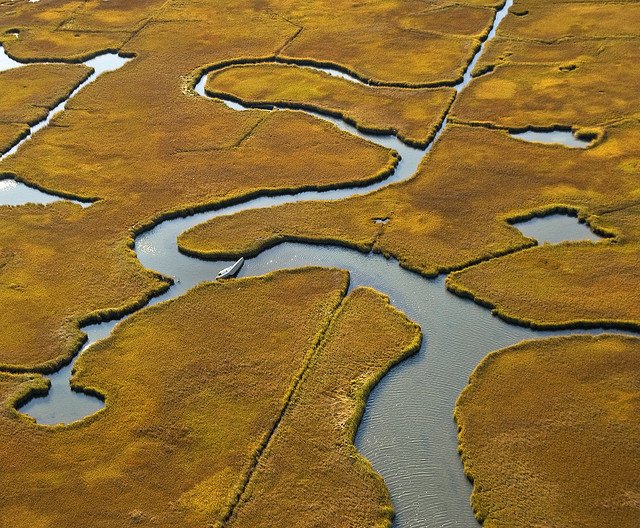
point(558, 137)
point(408, 432)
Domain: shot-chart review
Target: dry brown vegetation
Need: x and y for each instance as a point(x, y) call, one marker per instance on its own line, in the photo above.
point(276, 153)
point(413, 114)
point(574, 83)
point(188, 404)
point(455, 210)
point(156, 150)
point(570, 64)
point(48, 284)
point(568, 285)
point(566, 52)
point(569, 83)
point(78, 264)
point(10, 134)
point(194, 389)
point(549, 21)
point(396, 42)
point(409, 43)
point(72, 29)
point(310, 473)
point(548, 433)
point(574, 284)
point(28, 93)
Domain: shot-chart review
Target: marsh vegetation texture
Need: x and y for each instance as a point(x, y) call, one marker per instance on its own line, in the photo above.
point(408, 129)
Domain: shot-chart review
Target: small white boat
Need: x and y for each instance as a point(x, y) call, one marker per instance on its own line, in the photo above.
point(231, 270)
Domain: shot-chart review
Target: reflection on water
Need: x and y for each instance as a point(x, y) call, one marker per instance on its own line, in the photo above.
point(408, 432)
point(559, 137)
point(61, 404)
point(556, 228)
point(335, 73)
point(6, 62)
point(13, 192)
point(76, 405)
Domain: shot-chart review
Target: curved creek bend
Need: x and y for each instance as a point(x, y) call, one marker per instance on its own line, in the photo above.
point(408, 432)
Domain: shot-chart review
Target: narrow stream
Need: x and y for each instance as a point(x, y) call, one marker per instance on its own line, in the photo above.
point(100, 64)
point(13, 192)
point(408, 432)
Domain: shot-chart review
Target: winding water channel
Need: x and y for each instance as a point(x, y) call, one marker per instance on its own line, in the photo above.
point(408, 432)
point(17, 193)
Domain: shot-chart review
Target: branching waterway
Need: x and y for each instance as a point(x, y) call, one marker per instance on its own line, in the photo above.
point(17, 193)
point(408, 432)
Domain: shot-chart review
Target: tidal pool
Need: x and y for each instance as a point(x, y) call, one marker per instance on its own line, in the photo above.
point(555, 228)
point(558, 137)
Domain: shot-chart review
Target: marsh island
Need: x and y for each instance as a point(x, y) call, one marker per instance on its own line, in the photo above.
point(434, 207)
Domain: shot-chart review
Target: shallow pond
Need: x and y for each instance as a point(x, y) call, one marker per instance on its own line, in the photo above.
point(558, 137)
point(556, 228)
